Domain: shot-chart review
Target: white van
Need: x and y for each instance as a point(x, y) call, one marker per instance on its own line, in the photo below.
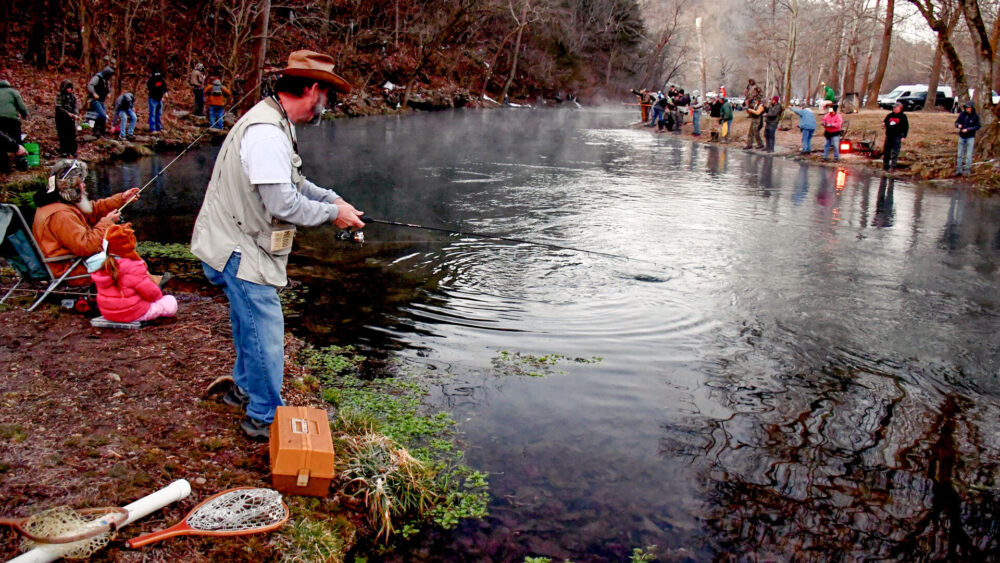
point(913, 97)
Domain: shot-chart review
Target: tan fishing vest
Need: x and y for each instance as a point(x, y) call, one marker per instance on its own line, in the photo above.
point(233, 214)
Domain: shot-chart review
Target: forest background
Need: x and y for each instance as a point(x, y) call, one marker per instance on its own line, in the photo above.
point(597, 50)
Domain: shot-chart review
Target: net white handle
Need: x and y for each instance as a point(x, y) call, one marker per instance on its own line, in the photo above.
point(141, 508)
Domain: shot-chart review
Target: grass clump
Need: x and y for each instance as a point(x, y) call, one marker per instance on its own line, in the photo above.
point(311, 537)
point(386, 478)
point(20, 192)
point(13, 432)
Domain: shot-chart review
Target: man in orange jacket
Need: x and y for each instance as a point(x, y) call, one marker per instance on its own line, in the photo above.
point(216, 98)
point(67, 223)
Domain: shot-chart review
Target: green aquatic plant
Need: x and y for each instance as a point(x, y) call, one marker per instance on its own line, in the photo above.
point(530, 365)
point(173, 250)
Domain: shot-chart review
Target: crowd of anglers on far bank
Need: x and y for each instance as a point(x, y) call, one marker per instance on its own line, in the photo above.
point(209, 94)
point(667, 113)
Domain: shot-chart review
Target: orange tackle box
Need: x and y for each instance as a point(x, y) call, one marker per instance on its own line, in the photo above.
point(301, 451)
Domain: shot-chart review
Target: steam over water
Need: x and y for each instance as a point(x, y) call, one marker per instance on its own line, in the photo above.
point(797, 362)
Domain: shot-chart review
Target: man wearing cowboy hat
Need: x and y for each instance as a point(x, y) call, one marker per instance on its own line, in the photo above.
point(244, 231)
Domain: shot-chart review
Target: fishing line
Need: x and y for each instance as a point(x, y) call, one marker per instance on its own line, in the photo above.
point(186, 149)
point(503, 238)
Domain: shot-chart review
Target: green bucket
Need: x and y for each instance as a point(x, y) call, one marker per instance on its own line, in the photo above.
point(32, 157)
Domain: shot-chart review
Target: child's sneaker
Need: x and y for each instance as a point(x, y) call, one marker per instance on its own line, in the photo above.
point(256, 429)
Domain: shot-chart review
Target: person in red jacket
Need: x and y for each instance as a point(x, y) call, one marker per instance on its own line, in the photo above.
point(125, 290)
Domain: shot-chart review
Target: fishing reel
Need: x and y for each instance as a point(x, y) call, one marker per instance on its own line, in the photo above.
point(348, 235)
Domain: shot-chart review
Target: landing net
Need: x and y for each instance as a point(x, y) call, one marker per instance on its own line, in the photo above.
point(240, 510)
point(58, 524)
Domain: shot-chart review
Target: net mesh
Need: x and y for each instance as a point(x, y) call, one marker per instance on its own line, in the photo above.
point(239, 510)
point(64, 522)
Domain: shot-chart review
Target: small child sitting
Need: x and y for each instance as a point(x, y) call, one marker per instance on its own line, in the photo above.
point(125, 291)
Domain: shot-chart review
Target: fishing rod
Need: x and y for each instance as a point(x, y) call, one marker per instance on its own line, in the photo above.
point(357, 236)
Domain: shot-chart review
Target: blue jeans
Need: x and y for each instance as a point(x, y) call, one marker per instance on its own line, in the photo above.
point(835, 143)
point(155, 112)
point(965, 147)
point(100, 124)
point(807, 140)
point(215, 114)
point(696, 119)
point(657, 116)
point(258, 336)
point(122, 116)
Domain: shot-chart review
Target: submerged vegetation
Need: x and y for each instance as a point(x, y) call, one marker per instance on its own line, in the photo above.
point(517, 364)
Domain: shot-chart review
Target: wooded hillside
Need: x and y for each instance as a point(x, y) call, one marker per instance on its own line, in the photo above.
point(521, 48)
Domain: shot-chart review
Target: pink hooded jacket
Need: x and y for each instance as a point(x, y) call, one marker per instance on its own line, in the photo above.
point(131, 298)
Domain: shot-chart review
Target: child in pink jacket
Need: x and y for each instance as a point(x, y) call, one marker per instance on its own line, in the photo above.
point(125, 291)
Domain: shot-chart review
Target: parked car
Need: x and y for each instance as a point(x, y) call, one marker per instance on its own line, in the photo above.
point(913, 97)
point(737, 102)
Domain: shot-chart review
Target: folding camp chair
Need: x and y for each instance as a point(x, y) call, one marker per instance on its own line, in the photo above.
point(21, 250)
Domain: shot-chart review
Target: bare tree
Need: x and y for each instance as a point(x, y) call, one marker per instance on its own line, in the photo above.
point(932, 84)
point(793, 21)
point(520, 22)
point(988, 138)
point(883, 57)
point(939, 24)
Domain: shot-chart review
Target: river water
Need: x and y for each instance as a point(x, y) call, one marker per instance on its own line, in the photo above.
point(794, 363)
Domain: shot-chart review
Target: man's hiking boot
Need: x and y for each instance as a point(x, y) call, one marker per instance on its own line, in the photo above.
point(256, 429)
point(236, 397)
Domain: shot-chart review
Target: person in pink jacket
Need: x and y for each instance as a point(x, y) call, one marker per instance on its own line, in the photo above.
point(125, 290)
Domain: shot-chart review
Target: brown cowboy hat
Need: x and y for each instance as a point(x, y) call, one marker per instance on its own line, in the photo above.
point(315, 66)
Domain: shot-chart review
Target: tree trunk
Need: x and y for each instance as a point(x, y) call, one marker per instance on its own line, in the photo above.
point(866, 74)
point(259, 55)
point(701, 56)
point(943, 30)
point(493, 63)
point(84, 38)
point(161, 57)
point(36, 53)
point(988, 138)
point(932, 82)
point(792, 32)
point(883, 56)
point(523, 22)
point(6, 15)
point(62, 36)
point(834, 79)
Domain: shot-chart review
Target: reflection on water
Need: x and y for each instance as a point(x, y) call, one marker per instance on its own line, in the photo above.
point(799, 362)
